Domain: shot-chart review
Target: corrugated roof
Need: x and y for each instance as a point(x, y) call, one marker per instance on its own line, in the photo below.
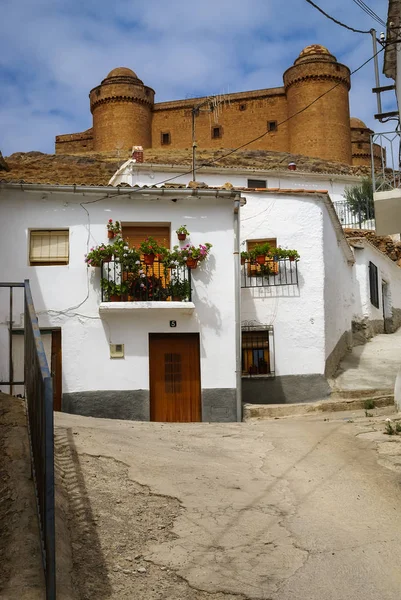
point(97, 169)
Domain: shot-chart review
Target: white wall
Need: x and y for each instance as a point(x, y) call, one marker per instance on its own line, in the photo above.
point(69, 296)
point(388, 271)
point(339, 288)
point(297, 313)
point(153, 174)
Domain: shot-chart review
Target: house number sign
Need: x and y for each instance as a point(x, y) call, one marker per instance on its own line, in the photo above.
point(173, 323)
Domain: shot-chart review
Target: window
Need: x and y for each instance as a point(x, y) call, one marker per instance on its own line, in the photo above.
point(255, 270)
point(49, 247)
point(216, 132)
point(242, 106)
point(165, 138)
point(272, 126)
point(373, 284)
point(257, 183)
point(257, 350)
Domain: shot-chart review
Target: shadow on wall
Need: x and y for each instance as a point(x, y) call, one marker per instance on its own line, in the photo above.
point(87, 555)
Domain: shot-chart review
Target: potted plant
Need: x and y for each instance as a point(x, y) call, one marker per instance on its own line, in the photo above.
point(149, 248)
point(113, 228)
point(192, 254)
point(244, 257)
point(253, 370)
point(262, 367)
point(114, 290)
point(179, 290)
point(292, 255)
point(260, 252)
point(99, 254)
point(182, 233)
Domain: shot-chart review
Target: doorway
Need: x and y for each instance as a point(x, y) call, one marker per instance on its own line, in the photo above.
point(55, 368)
point(174, 377)
point(387, 311)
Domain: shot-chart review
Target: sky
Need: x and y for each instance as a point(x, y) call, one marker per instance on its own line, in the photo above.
point(52, 52)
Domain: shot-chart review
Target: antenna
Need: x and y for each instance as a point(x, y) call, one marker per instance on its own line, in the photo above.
point(213, 106)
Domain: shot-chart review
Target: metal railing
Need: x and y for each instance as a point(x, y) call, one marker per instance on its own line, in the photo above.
point(138, 282)
point(39, 400)
point(39, 403)
point(386, 175)
point(361, 218)
point(270, 273)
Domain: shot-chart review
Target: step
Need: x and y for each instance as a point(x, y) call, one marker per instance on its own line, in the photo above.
point(274, 411)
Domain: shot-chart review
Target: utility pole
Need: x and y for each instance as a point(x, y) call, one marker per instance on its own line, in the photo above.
point(213, 103)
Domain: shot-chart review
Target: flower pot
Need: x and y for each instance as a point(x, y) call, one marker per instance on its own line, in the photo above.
point(130, 298)
point(176, 299)
point(182, 237)
point(242, 261)
point(115, 298)
point(291, 258)
point(107, 258)
point(148, 259)
point(262, 369)
point(261, 259)
point(192, 263)
point(253, 370)
point(110, 234)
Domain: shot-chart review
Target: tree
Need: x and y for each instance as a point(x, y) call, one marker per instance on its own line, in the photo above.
point(360, 199)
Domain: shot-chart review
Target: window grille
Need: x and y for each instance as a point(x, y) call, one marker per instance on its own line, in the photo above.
point(374, 285)
point(257, 350)
point(49, 247)
point(257, 183)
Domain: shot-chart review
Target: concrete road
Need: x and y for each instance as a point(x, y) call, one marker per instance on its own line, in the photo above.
point(289, 509)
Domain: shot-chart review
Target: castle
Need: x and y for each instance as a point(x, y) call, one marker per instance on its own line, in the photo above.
point(125, 114)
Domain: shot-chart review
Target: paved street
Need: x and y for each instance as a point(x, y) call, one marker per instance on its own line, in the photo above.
point(289, 509)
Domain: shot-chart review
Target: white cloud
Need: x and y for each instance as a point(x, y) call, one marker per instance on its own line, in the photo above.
point(52, 52)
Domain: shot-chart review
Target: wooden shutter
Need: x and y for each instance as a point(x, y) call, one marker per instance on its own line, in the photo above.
point(373, 284)
point(137, 234)
point(49, 247)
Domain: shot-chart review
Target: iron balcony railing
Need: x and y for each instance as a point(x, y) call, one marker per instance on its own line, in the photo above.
point(361, 217)
point(39, 403)
point(139, 281)
point(270, 273)
point(385, 168)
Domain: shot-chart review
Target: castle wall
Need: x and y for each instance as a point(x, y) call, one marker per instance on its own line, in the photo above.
point(323, 129)
point(75, 143)
point(239, 118)
point(119, 125)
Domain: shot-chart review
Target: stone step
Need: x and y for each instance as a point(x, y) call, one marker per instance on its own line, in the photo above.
point(273, 411)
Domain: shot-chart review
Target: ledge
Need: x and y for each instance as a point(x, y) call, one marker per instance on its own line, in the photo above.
point(121, 307)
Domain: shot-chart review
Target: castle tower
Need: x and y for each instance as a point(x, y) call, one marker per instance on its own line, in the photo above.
point(360, 141)
point(323, 129)
point(122, 112)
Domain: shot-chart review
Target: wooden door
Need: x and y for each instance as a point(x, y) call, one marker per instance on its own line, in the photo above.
point(55, 368)
point(174, 373)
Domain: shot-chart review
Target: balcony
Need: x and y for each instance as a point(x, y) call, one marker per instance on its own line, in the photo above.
point(143, 286)
point(386, 179)
point(270, 273)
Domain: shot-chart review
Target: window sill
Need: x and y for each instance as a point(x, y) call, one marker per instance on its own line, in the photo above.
point(121, 307)
point(265, 376)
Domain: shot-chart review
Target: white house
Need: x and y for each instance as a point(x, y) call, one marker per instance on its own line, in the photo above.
point(153, 358)
point(313, 311)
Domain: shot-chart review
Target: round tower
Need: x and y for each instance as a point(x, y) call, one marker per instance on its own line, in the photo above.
point(323, 129)
point(122, 112)
point(361, 149)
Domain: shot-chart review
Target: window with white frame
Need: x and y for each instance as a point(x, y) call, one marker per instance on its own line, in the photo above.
point(48, 247)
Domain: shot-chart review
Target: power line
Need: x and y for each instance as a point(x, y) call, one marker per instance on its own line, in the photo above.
point(371, 13)
point(335, 20)
point(292, 116)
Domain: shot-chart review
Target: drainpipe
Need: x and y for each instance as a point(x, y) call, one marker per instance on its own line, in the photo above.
point(237, 283)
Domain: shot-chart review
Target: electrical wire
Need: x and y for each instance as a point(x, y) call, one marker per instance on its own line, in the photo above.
point(371, 13)
point(335, 20)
